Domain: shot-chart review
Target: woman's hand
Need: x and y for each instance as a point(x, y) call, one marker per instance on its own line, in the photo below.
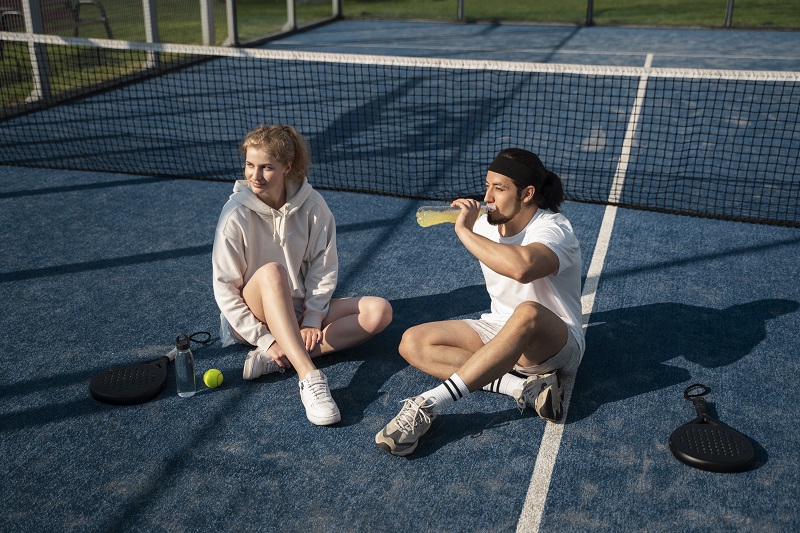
point(277, 353)
point(312, 337)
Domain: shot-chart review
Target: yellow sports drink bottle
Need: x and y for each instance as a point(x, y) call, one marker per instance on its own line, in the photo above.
point(430, 215)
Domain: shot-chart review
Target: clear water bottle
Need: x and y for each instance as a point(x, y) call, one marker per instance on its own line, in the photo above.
point(184, 367)
point(430, 215)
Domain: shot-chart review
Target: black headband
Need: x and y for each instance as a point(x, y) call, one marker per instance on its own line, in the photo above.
point(519, 172)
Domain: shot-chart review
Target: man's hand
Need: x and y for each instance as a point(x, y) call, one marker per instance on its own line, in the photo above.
point(470, 211)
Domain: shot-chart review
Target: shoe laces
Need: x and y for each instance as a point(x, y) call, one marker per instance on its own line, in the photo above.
point(529, 394)
point(521, 404)
point(318, 389)
point(413, 413)
point(269, 364)
point(264, 363)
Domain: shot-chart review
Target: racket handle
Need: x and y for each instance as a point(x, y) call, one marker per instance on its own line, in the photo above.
point(700, 406)
point(172, 353)
point(695, 393)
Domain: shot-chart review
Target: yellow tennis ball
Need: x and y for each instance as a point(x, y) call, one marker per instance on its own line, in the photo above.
point(212, 378)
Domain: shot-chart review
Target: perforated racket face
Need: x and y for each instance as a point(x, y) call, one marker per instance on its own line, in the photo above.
point(130, 384)
point(713, 447)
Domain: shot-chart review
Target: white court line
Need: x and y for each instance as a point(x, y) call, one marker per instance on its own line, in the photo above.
point(533, 509)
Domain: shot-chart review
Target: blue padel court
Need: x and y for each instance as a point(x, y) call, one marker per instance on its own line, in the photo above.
point(103, 268)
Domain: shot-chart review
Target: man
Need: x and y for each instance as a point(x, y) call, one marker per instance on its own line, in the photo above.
point(531, 262)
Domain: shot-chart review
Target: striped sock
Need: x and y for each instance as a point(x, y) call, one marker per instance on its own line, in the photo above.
point(506, 384)
point(448, 393)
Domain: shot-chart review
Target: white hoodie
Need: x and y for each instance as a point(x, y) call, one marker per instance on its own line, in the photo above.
point(301, 236)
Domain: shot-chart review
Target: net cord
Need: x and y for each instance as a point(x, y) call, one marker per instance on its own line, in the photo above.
point(402, 61)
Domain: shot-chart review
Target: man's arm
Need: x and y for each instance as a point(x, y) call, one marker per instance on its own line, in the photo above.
point(520, 263)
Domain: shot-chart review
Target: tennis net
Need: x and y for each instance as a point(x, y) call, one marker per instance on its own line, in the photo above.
point(710, 143)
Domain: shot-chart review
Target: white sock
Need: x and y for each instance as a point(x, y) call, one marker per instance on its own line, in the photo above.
point(506, 384)
point(448, 393)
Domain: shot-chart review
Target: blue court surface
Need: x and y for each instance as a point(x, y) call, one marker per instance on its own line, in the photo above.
point(99, 269)
point(672, 48)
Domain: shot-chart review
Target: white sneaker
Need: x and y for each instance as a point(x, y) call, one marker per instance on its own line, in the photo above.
point(258, 363)
point(320, 407)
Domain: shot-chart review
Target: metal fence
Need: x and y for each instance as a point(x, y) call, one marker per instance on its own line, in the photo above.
point(216, 22)
point(212, 22)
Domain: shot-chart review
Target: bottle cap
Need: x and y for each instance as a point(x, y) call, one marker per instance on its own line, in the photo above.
point(182, 342)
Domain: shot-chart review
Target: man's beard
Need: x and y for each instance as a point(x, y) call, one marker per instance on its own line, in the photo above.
point(495, 218)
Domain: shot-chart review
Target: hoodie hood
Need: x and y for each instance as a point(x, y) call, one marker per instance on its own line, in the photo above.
point(296, 194)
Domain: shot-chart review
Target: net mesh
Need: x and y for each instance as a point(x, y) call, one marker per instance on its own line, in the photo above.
point(720, 144)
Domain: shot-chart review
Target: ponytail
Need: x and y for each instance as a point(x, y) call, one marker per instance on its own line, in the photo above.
point(551, 193)
point(302, 155)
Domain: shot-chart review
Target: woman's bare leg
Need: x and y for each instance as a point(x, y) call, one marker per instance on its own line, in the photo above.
point(352, 321)
point(271, 284)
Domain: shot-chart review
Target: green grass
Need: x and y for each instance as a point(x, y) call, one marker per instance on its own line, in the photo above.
point(685, 13)
point(15, 74)
point(71, 68)
point(179, 20)
point(746, 13)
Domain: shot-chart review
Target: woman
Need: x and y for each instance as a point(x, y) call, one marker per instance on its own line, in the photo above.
point(275, 269)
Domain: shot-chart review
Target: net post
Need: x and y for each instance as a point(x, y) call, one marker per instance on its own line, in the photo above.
point(291, 20)
point(337, 9)
point(729, 15)
point(589, 13)
point(207, 21)
point(233, 28)
point(32, 13)
point(150, 30)
point(460, 11)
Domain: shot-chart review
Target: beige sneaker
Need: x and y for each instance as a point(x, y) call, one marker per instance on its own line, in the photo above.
point(543, 394)
point(402, 433)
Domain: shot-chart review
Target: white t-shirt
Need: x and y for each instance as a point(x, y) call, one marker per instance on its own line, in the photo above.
point(560, 292)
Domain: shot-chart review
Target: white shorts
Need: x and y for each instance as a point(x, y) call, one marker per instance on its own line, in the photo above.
point(567, 360)
point(226, 335)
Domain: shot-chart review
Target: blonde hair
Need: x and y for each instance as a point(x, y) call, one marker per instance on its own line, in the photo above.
point(284, 144)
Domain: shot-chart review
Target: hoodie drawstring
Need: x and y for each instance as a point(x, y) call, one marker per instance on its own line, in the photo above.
point(275, 232)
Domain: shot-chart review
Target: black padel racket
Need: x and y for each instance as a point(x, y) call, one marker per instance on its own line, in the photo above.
point(708, 444)
point(137, 382)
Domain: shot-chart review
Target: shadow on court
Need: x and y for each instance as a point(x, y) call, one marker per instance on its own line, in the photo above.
point(628, 350)
point(448, 428)
point(50, 390)
point(380, 358)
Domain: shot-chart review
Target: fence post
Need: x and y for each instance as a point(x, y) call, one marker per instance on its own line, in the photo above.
point(460, 11)
point(150, 30)
point(207, 22)
point(729, 15)
point(150, 21)
point(32, 13)
point(291, 21)
point(337, 9)
point(589, 13)
point(233, 28)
